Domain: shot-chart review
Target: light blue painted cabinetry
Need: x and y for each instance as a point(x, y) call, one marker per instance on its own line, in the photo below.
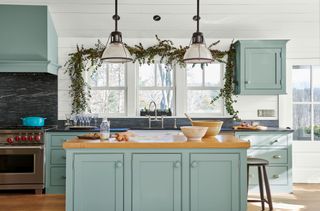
point(55, 161)
point(276, 147)
point(260, 67)
point(156, 179)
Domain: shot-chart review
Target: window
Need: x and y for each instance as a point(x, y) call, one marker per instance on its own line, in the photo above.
point(108, 90)
point(306, 102)
point(156, 83)
point(202, 86)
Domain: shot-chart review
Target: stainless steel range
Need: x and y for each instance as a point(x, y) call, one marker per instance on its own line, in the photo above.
point(22, 158)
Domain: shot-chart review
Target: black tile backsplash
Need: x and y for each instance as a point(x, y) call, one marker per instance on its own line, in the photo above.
point(28, 94)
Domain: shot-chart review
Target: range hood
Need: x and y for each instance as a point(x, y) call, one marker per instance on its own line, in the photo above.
point(28, 40)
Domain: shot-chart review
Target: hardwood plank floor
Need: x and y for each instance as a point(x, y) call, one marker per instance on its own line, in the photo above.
point(305, 197)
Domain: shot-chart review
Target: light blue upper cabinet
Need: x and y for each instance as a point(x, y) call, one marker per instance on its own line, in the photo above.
point(156, 177)
point(28, 40)
point(210, 173)
point(98, 184)
point(260, 67)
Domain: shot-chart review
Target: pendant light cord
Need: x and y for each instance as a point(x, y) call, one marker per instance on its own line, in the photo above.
point(198, 11)
point(116, 15)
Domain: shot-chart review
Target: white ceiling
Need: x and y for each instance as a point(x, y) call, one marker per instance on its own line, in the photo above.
point(220, 18)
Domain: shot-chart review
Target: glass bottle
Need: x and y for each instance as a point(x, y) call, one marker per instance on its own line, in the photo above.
point(105, 129)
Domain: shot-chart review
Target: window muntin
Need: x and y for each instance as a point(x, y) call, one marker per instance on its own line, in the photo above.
point(306, 102)
point(202, 86)
point(108, 90)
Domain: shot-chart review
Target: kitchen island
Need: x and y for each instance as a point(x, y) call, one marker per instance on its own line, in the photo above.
point(159, 176)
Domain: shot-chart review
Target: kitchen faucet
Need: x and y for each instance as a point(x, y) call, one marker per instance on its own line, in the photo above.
point(155, 119)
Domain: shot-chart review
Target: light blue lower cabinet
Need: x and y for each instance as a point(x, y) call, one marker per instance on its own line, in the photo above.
point(156, 180)
point(213, 179)
point(98, 182)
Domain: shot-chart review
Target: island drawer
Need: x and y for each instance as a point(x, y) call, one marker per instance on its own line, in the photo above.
point(265, 139)
point(277, 175)
point(58, 176)
point(273, 155)
point(58, 156)
point(58, 140)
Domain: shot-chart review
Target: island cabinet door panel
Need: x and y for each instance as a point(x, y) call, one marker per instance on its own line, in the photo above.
point(214, 182)
point(262, 69)
point(98, 182)
point(156, 182)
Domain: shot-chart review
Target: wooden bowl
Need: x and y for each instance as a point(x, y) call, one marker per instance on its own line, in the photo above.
point(194, 133)
point(214, 127)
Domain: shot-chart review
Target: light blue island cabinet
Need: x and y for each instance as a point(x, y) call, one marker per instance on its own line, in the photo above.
point(175, 176)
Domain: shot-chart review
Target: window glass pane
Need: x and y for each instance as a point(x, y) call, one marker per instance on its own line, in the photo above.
point(199, 101)
point(316, 122)
point(212, 75)
point(301, 83)
point(164, 76)
point(98, 101)
point(147, 75)
point(316, 83)
point(194, 75)
point(98, 78)
point(302, 122)
point(163, 99)
point(116, 101)
point(116, 75)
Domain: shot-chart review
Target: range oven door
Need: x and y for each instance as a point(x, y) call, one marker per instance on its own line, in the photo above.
point(21, 165)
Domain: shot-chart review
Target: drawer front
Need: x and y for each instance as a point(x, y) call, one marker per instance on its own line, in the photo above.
point(277, 175)
point(273, 155)
point(58, 176)
point(58, 156)
point(265, 139)
point(57, 140)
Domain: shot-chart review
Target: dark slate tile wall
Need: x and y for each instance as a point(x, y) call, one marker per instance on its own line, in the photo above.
point(28, 94)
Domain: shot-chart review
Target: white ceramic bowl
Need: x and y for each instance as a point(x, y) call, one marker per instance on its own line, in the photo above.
point(194, 133)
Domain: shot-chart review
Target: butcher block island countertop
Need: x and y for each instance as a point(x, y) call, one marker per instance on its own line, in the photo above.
point(220, 141)
point(157, 174)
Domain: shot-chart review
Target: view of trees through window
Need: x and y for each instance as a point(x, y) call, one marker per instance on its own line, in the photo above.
point(306, 102)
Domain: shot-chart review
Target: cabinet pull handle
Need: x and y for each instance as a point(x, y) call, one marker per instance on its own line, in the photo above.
point(194, 164)
point(63, 177)
point(247, 82)
point(275, 176)
point(273, 142)
point(64, 157)
point(119, 164)
point(177, 164)
point(277, 156)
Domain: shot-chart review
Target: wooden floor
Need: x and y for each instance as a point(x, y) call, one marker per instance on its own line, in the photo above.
point(305, 197)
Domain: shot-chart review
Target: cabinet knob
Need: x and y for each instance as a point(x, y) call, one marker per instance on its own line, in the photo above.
point(194, 164)
point(275, 176)
point(63, 177)
point(247, 82)
point(119, 164)
point(251, 175)
point(277, 156)
point(64, 157)
point(273, 142)
point(177, 164)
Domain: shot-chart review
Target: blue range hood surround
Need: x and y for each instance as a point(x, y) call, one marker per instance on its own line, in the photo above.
point(28, 40)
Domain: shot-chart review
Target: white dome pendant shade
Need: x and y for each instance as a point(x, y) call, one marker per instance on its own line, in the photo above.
point(116, 51)
point(197, 52)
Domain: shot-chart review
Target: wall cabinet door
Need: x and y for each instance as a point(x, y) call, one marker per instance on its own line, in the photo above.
point(214, 182)
point(156, 182)
point(98, 182)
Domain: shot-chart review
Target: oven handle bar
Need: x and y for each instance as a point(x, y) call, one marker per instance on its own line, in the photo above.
point(22, 147)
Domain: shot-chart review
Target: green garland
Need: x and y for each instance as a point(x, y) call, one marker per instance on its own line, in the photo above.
point(85, 59)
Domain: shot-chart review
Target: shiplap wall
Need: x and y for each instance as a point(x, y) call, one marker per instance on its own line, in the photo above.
point(247, 105)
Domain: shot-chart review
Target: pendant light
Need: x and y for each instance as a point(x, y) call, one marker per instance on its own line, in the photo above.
point(197, 51)
point(116, 52)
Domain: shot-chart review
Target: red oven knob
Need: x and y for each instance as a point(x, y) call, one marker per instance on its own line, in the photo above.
point(37, 138)
point(30, 138)
point(17, 138)
point(10, 140)
point(24, 138)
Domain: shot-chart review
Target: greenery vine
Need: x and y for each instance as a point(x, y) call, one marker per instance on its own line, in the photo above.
point(85, 59)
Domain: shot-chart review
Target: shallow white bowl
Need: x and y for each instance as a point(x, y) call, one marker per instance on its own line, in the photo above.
point(194, 133)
